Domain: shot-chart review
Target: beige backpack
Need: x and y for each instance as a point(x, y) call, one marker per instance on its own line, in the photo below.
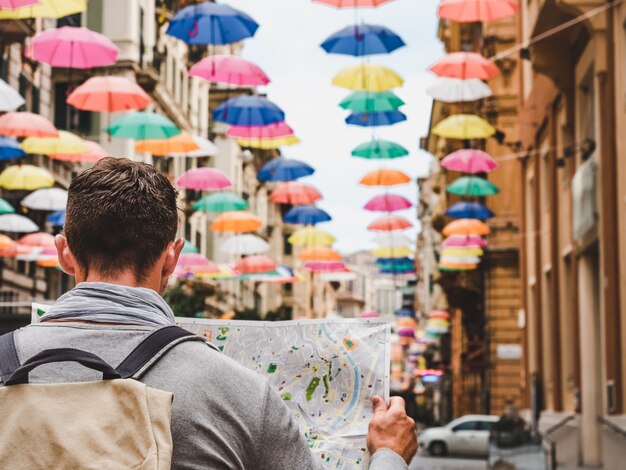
point(112, 424)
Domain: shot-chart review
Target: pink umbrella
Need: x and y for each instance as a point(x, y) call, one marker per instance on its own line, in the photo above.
point(465, 65)
point(15, 4)
point(229, 69)
point(271, 131)
point(74, 47)
point(204, 179)
point(193, 259)
point(325, 266)
point(109, 94)
point(464, 241)
point(25, 124)
point(469, 161)
point(371, 314)
point(388, 203)
point(468, 11)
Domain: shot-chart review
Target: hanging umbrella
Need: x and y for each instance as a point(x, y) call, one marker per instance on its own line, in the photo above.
point(469, 210)
point(17, 223)
point(362, 40)
point(65, 143)
point(281, 275)
point(248, 111)
point(142, 125)
point(47, 199)
point(464, 126)
point(306, 215)
point(295, 193)
point(453, 90)
point(206, 148)
point(193, 259)
point(469, 161)
point(270, 131)
point(311, 236)
point(15, 4)
point(389, 223)
point(229, 69)
point(255, 264)
point(10, 99)
point(25, 177)
point(368, 77)
point(388, 203)
point(283, 169)
point(325, 266)
point(387, 118)
point(245, 245)
point(353, 3)
point(392, 252)
point(57, 219)
point(220, 202)
point(472, 186)
point(45, 9)
point(368, 102)
point(439, 314)
point(5, 242)
point(237, 222)
point(269, 144)
point(469, 11)
point(203, 179)
point(466, 227)
point(385, 177)
point(465, 65)
point(392, 239)
point(379, 149)
point(211, 23)
point(459, 259)
point(38, 240)
point(189, 247)
point(400, 264)
point(109, 94)
point(462, 241)
point(25, 124)
point(319, 253)
point(5, 207)
point(93, 153)
point(180, 143)
point(10, 148)
point(462, 251)
point(456, 267)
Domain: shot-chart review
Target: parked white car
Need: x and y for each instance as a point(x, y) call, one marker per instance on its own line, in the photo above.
point(467, 435)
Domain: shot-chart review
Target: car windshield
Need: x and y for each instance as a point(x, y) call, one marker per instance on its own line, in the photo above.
point(466, 426)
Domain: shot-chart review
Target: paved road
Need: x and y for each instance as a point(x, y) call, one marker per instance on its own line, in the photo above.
point(425, 462)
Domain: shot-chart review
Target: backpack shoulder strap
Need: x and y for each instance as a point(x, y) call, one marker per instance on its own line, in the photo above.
point(9, 360)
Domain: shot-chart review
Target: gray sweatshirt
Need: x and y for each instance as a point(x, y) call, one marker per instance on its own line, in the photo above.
point(223, 416)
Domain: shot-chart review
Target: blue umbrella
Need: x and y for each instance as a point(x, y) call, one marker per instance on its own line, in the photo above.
point(405, 312)
point(307, 215)
point(386, 118)
point(282, 169)
point(10, 148)
point(469, 210)
point(57, 219)
point(248, 111)
point(211, 23)
point(365, 39)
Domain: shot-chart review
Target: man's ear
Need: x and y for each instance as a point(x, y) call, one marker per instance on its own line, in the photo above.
point(66, 258)
point(171, 257)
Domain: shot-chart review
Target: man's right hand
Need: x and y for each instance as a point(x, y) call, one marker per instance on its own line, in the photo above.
point(391, 428)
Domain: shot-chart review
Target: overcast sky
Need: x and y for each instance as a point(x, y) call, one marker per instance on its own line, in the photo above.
point(286, 46)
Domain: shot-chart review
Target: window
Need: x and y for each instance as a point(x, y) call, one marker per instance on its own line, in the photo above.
point(466, 426)
point(68, 117)
point(70, 20)
point(484, 425)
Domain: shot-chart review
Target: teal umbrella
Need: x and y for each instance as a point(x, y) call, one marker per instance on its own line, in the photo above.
point(189, 247)
point(380, 149)
point(472, 186)
point(369, 102)
point(5, 207)
point(221, 202)
point(142, 125)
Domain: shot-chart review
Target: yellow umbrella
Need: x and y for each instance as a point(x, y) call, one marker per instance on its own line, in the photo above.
point(464, 126)
point(269, 144)
point(310, 237)
point(65, 143)
point(46, 9)
point(368, 77)
point(473, 251)
point(25, 177)
point(392, 252)
point(182, 143)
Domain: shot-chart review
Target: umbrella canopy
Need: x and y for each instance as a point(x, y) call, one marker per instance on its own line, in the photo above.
point(206, 148)
point(459, 259)
point(255, 264)
point(271, 131)
point(189, 247)
point(221, 202)
point(25, 124)
point(109, 94)
point(38, 240)
point(65, 143)
point(245, 245)
point(464, 126)
point(192, 259)
point(5, 242)
point(472, 186)
point(229, 69)
point(453, 90)
point(469, 11)
point(362, 40)
point(74, 47)
point(211, 23)
point(464, 241)
point(306, 215)
point(311, 236)
point(368, 77)
point(248, 111)
point(47, 199)
point(392, 239)
point(45, 9)
point(269, 144)
point(142, 125)
point(465, 65)
point(281, 275)
point(456, 267)
point(93, 153)
point(14, 4)
point(283, 169)
point(5, 207)
point(203, 179)
point(387, 118)
point(385, 177)
point(380, 150)
point(368, 102)
point(17, 223)
point(295, 193)
point(180, 143)
point(469, 210)
point(469, 161)
point(388, 203)
point(389, 223)
point(392, 252)
point(25, 177)
point(466, 227)
point(353, 3)
point(57, 218)
point(325, 266)
point(10, 99)
point(319, 253)
point(10, 148)
point(462, 251)
point(237, 222)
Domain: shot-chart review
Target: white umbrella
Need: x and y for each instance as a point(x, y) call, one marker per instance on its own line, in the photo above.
point(245, 245)
point(17, 223)
point(460, 259)
point(48, 199)
point(452, 90)
point(10, 99)
point(392, 239)
point(337, 277)
point(207, 149)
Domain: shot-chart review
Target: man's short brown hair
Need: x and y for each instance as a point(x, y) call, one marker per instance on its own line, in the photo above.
point(120, 215)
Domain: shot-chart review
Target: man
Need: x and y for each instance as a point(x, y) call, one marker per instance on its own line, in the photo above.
point(120, 245)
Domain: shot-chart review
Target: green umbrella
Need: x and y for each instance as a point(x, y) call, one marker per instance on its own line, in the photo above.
point(142, 125)
point(368, 102)
point(189, 247)
point(5, 207)
point(220, 202)
point(472, 186)
point(380, 149)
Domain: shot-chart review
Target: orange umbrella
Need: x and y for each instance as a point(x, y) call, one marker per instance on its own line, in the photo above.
point(385, 177)
point(38, 239)
point(236, 221)
point(465, 65)
point(389, 223)
point(109, 93)
point(466, 227)
point(6, 242)
point(48, 262)
point(456, 267)
point(25, 124)
point(319, 253)
point(15, 249)
point(181, 143)
point(295, 193)
point(94, 153)
point(255, 265)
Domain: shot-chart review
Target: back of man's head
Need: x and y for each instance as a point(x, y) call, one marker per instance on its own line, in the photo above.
point(121, 215)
